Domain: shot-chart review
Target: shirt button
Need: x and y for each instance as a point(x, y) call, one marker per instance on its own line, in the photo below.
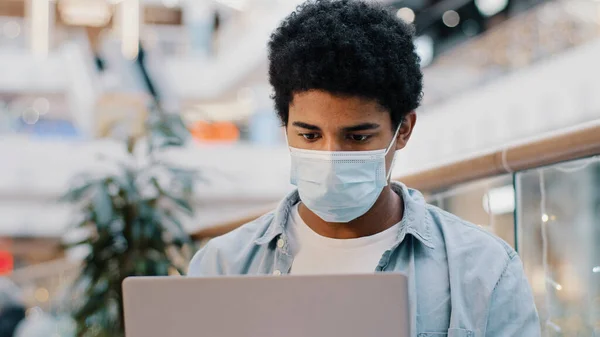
point(280, 243)
point(277, 272)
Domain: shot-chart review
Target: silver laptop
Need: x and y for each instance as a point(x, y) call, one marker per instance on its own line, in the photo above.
point(267, 306)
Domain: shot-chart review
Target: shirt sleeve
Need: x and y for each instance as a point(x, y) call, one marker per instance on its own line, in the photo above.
point(512, 309)
point(205, 262)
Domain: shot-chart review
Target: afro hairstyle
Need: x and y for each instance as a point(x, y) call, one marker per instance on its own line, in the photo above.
point(348, 48)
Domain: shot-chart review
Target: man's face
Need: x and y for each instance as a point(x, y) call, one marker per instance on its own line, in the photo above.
point(324, 122)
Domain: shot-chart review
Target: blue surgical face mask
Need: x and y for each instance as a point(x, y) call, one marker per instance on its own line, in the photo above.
point(340, 186)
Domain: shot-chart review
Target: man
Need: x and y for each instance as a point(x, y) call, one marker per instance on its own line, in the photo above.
point(346, 82)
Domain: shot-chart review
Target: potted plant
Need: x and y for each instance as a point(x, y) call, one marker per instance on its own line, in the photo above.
point(131, 219)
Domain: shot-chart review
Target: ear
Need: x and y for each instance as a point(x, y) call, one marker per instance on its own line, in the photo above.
point(406, 129)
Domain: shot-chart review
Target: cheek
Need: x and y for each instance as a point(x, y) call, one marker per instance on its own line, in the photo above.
point(292, 138)
point(294, 141)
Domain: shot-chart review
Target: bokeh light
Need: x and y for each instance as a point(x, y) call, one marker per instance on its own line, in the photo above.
point(30, 116)
point(491, 7)
point(41, 105)
point(42, 295)
point(451, 19)
point(406, 14)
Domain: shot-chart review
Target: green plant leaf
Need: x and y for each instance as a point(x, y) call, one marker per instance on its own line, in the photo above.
point(161, 140)
point(182, 204)
point(176, 125)
point(136, 231)
point(103, 241)
point(77, 193)
point(92, 305)
point(130, 235)
point(165, 218)
point(103, 207)
point(162, 268)
point(69, 245)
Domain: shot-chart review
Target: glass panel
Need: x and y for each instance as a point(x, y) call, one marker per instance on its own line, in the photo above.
point(473, 201)
point(558, 236)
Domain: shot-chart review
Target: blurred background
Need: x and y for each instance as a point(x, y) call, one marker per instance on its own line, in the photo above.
point(87, 85)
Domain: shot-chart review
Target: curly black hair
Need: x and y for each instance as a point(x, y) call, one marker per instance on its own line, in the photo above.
point(347, 48)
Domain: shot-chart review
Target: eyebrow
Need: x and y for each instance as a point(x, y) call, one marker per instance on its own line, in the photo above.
point(306, 126)
point(354, 128)
point(361, 127)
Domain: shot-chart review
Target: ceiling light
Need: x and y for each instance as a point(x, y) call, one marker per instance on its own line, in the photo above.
point(406, 14)
point(451, 19)
point(40, 26)
point(130, 28)
point(425, 49)
point(500, 200)
point(491, 7)
point(85, 13)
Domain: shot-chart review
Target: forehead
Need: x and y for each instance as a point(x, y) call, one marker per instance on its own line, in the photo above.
point(323, 109)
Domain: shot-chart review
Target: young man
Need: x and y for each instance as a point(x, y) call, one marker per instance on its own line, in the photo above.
point(346, 85)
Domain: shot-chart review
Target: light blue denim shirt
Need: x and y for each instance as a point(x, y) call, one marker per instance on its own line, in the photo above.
point(463, 281)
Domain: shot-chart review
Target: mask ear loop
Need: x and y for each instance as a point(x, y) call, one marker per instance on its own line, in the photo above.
point(392, 144)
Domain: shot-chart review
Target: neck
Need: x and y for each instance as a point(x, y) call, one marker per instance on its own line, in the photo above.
point(385, 213)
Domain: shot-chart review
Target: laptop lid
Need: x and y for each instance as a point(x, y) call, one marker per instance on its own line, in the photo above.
point(266, 306)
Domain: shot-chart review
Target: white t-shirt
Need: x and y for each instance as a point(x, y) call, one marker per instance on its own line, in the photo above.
point(322, 255)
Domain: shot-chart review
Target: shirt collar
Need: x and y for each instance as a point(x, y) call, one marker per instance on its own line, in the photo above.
point(415, 220)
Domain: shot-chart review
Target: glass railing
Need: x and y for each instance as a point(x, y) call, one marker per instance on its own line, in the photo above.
point(551, 215)
point(558, 239)
point(488, 203)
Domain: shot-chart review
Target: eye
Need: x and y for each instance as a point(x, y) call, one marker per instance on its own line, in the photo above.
point(359, 138)
point(310, 136)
